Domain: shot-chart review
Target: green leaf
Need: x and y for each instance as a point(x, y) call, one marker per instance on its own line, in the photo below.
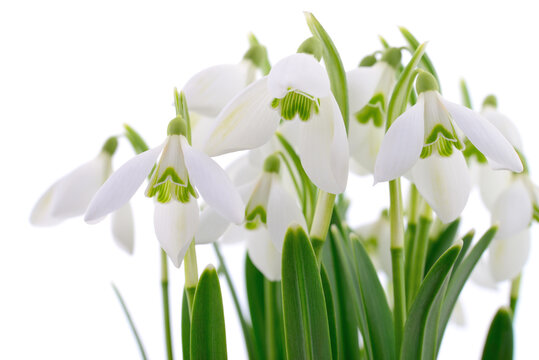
point(330, 308)
point(304, 306)
point(334, 66)
point(425, 61)
point(441, 244)
point(208, 337)
point(379, 317)
point(465, 93)
point(350, 312)
point(414, 329)
point(274, 321)
point(186, 327)
point(399, 97)
point(459, 278)
point(499, 343)
point(137, 142)
point(254, 281)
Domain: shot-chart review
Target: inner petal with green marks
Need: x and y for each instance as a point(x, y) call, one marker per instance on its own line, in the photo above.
point(298, 103)
point(440, 134)
point(374, 110)
point(255, 210)
point(169, 179)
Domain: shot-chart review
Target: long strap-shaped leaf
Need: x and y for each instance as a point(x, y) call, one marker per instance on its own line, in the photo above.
point(304, 306)
point(412, 343)
point(208, 337)
point(499, 343)
point(379, 318)
point(334, 66)
point(459, 278)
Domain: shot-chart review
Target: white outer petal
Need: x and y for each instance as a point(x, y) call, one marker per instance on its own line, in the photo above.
point(175, 224)
point(362, 82)
point(492, 183)
point(365, 141)
point(70, 195)
point(507, 257)
point(213, 183)
point(402, 144)
point(301, 72)
point(445, 184)
point(121, 185)
point(241, 171)
point(323, 148)
point(505, 125)
point(235, 234)
point(512, 210)
point(208, 91)
point(263, 254)
point(247, 122)
point(212, 226)
point(482, 276)
point(485, 136)
point(123, 228)
point(283, 211)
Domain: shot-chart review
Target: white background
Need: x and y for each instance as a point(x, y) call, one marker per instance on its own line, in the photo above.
point(71, 72)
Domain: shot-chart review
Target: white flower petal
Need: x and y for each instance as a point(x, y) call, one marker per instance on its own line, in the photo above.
point(507, 257)
point(402, 144)
point(492, 183)
point(235, 234)
point(213, 183)
point(323, 148)
point(283, 211)
point(505, 125)
point(512, 210)
point(212, 226)
point(486, 138)
point(247, 122)
point(175, 225)
point(208, 91)
point(123, 228)
point(365, 141)
point(241, 171)
point(362, 82)
point(298, 72)
point(70, 195)
point(445, 184)
point(482, 276)
point(121, 185)
point(263, 254)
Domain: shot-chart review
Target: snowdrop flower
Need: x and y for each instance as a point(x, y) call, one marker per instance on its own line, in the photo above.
point(269, 212)
point(427, 139)
point(180, 171)
point(69, 197)
point(296, 89)
point(369, 88)
point(377, 238)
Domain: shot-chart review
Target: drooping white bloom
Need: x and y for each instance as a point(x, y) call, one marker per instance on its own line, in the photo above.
point(208, 91)
point(180, 170)
point(69, 197)
point(298, 89)
point(369, 89)
point(269, 212)
point(427, 140)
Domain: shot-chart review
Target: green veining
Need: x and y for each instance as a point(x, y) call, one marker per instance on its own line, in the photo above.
point(296, 102)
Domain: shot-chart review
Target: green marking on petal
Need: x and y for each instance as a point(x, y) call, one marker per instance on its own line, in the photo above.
point(375, 110)
point(442, 140)
point(536, 212)
point(255, 217)
point(169, 186)
point(296, 103)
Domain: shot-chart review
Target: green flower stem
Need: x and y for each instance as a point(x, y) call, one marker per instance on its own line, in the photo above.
point(515, 289)
point(131, 323)
point(418, 254)
point(271, 315)
point(191, 274)
point(397, 259)
point(245, 326)
point(166, 305)
point(322, 218)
